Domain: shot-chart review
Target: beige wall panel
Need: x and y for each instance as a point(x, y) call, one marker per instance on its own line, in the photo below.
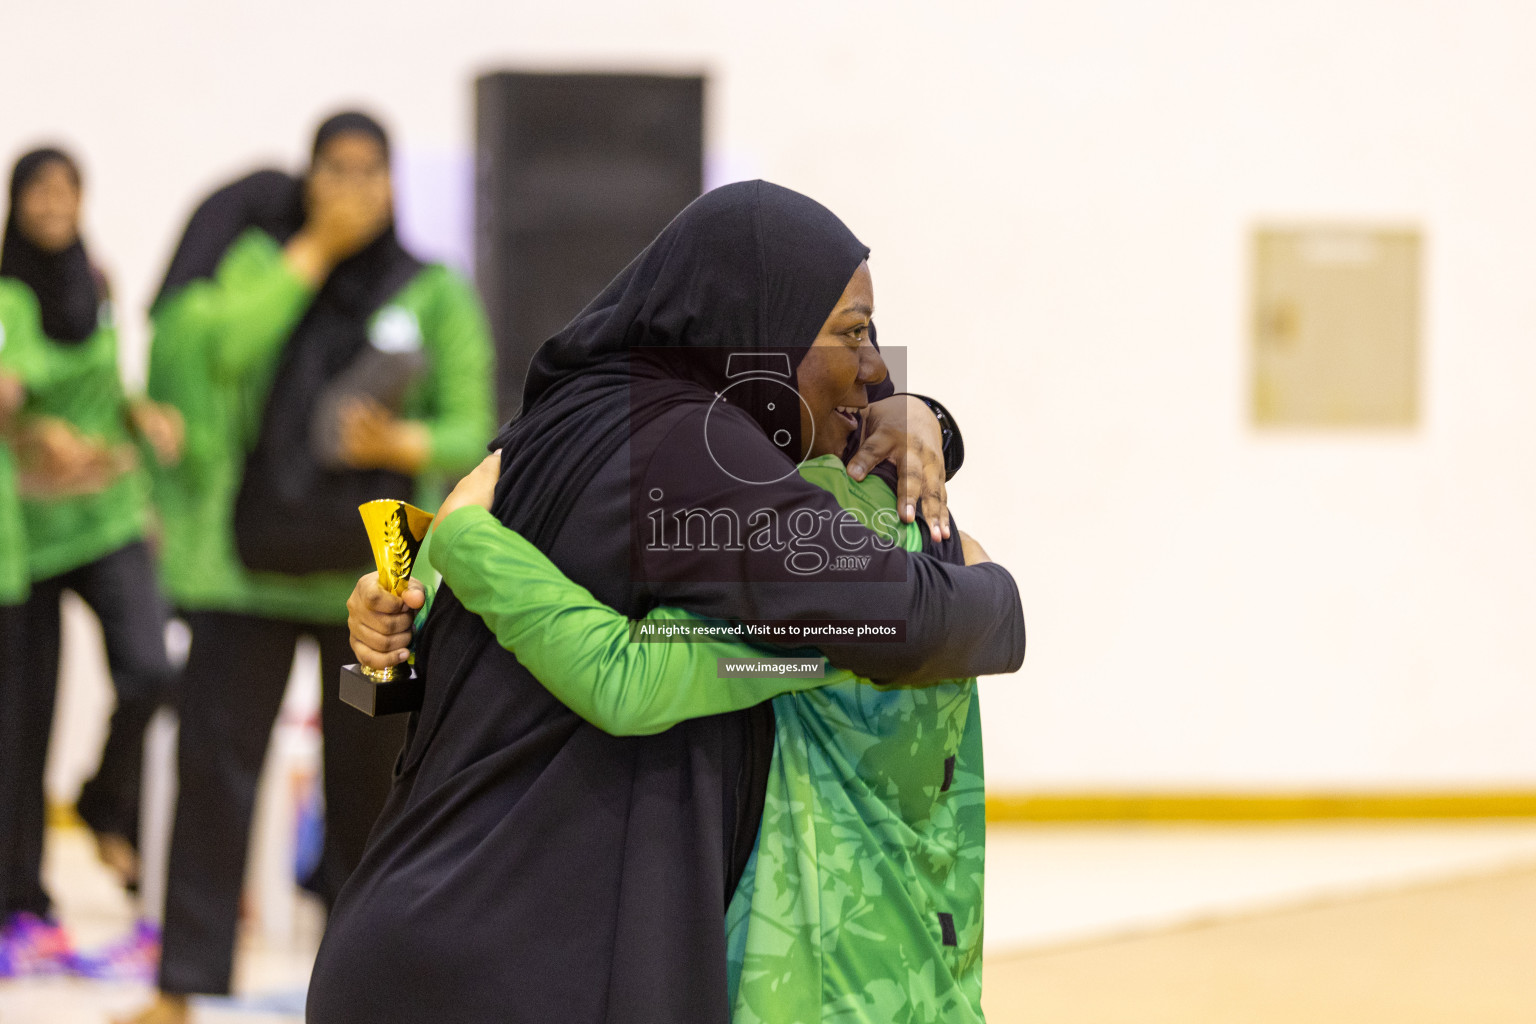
point(1335, 327)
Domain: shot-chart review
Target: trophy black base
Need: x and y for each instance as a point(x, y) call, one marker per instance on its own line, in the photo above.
point(396, 697)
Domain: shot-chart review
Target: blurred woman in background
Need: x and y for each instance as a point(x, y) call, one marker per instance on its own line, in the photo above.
point(14, 318)
point(318, 365)
point(85, 509)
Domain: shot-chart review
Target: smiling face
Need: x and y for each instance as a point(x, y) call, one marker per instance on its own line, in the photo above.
point(835, 375)
point(48, 208)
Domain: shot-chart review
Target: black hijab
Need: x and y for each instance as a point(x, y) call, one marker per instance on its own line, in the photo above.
point(748, 269)
point(67, 287)
point(266, 199)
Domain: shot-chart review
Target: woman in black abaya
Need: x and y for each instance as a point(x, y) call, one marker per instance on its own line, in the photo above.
point(528, 866)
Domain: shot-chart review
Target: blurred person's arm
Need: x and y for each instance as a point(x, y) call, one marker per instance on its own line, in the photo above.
point(158, 425)
point(459, 379)
point(179, 373)
point(260, 291)
point(445, 423)
point(19, 319)
point(54, 460)
point(12, 394)
point(247, 310)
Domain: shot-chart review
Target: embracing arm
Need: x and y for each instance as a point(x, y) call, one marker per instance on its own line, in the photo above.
point(960, 621)
point(581, 649)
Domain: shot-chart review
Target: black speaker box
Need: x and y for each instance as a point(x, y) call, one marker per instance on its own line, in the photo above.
point(574, 174)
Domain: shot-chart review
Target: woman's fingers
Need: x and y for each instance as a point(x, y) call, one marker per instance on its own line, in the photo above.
point(904, 430)
point(372, 597)
point(377, 659)
point(935, 495)
point(372, 605)
point(162, 427)
point(380, 622)
point(367, 636)
point(366, 430)
point(920, 488)
point(881, 441)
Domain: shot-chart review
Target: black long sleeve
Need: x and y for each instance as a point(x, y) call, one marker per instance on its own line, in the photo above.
point(706, 541)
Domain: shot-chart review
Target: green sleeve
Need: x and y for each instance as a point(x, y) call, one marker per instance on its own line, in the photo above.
point(20, 331)
point(178, 375)
point(26, 349)
point(457, 409)
point(580, 648)
point(250, 306)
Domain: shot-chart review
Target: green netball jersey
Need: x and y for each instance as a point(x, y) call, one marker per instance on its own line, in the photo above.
point(80, 383)
point(862, 901)
point(216, 347)
point(18, 326)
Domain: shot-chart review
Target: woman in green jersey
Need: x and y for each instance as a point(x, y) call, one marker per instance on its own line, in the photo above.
point(318, 364)
point(85, 516)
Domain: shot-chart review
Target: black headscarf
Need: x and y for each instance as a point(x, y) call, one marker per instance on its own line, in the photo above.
point(349, 122)
point(750, 267)
point(67, 288)
point(267, 199)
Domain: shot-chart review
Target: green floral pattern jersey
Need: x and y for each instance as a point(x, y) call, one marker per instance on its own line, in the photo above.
point(862, 901)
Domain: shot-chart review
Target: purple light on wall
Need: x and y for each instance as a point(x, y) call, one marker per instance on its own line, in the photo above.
point(435, 205)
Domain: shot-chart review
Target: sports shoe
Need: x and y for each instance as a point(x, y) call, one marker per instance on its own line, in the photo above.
point(133, 958)
point(32, 947)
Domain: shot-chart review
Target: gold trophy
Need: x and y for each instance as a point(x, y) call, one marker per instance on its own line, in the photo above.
point(395, 531)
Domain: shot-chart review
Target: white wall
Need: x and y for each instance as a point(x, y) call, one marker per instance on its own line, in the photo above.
point(1058, 197)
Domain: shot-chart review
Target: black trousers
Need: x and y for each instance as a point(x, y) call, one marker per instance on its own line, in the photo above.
point(120, 588)
point(12, 674)
point(230, 696)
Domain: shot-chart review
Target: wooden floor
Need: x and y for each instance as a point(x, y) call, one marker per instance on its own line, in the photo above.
point(1451, 953)
point(1459, 950)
